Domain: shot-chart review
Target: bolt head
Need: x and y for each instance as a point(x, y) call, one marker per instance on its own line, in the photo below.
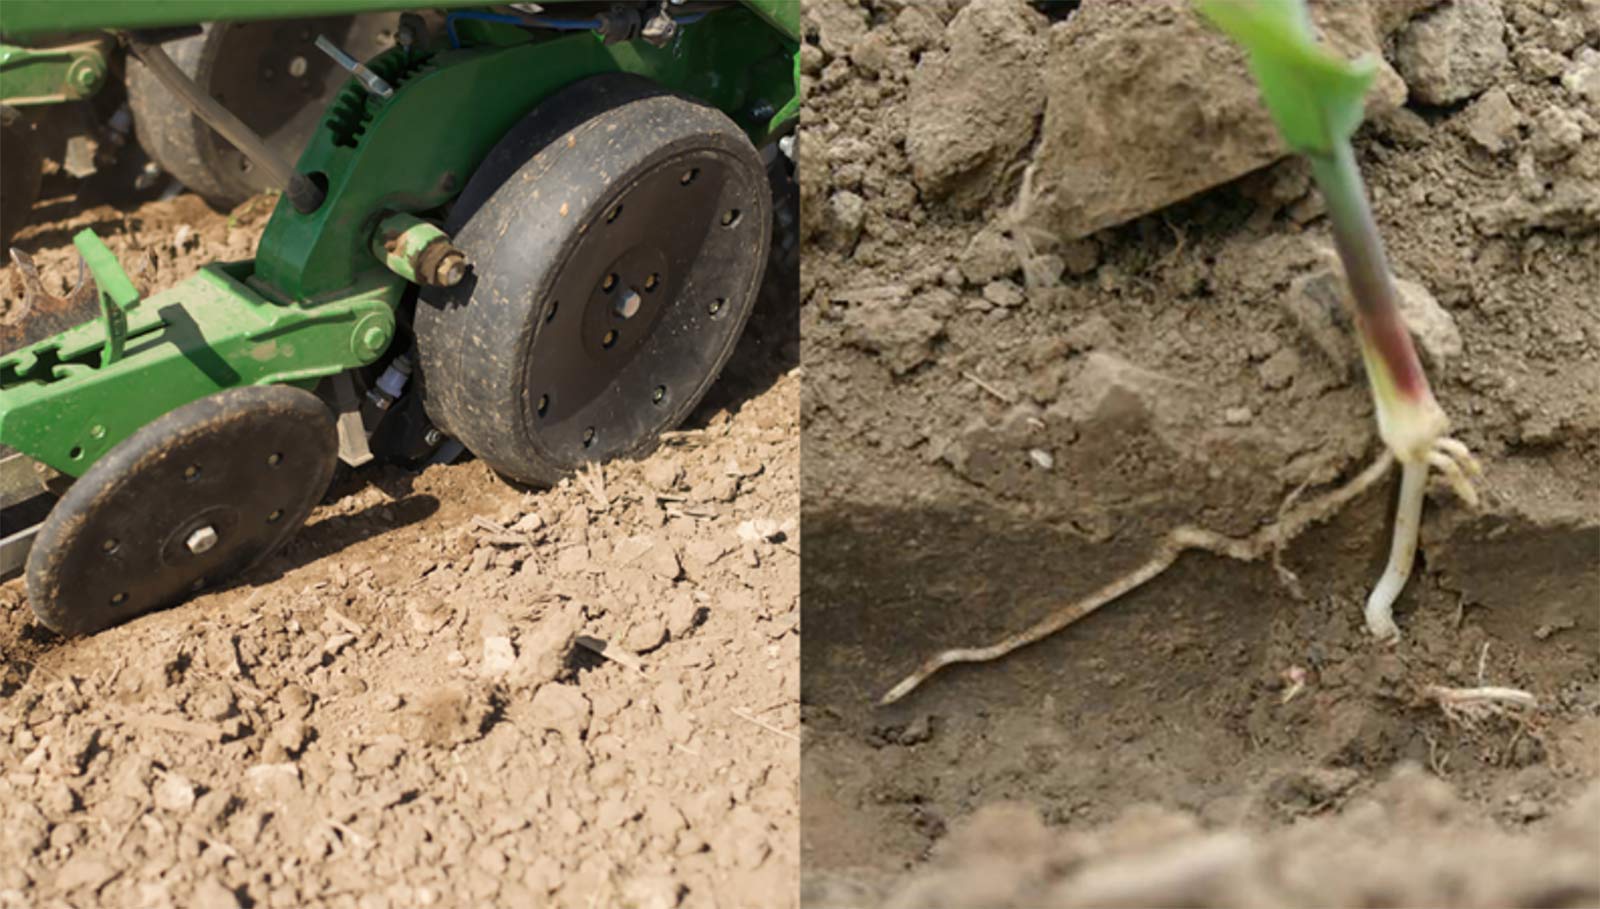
point(451, 270)
point(85, 77)
point(627, 304)
point(202, 540)
point(433, 437)
point(375, 338)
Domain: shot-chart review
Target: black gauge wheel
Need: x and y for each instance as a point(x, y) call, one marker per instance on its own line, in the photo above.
point(617, 236)
point(184, 504)
point(269, 74)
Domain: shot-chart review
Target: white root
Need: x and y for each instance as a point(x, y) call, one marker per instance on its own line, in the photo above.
point(1459, 451)
point(1460, 468)
point(1292, 520)
point(1269, 539)
point(1455, 475)
point(1167, 554)
point(1487, 694)
point(1402, 553)
point(1470, 706)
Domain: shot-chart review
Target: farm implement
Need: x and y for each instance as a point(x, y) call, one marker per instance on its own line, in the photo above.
point(534, 231)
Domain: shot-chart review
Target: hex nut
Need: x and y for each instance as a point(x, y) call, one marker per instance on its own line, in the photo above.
point(451, 270)
point(202, 540)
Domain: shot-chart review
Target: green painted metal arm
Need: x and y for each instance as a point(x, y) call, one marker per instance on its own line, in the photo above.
point(784, 15)
point(63, 402)
point(28, 18)
point(415, 151)
point(117, 293)
point(317, 300)
point(51, 75)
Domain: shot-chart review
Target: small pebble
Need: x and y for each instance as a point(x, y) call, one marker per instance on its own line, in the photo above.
point(175, 793)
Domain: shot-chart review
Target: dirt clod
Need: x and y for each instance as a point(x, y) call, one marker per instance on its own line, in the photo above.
point(1453, 52)
point(1098, 166)
point(975, 99)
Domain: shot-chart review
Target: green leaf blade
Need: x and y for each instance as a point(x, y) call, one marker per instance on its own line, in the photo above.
point(1314, 96)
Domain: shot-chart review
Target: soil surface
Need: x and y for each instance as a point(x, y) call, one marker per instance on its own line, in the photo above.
point(1063, 293)
point(406, 707)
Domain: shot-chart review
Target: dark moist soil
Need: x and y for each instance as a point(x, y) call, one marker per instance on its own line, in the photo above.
point(1007, 405)
point(393, 710)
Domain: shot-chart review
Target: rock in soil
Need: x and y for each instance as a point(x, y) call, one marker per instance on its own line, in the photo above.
point(1453, 52)
point(1146, 105)
point(975, 100)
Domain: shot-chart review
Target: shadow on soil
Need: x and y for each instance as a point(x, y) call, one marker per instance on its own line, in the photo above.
point(23, 641)
point(1171, 695)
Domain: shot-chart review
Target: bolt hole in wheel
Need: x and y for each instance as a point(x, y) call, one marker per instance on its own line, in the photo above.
point(537, 399)
point(109, 546)
point(275, 517)
point(192, 472)
point(76, 453)
point(274, 459)
point(119, 599)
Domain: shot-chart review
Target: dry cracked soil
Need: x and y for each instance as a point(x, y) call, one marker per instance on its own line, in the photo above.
point(399, 709)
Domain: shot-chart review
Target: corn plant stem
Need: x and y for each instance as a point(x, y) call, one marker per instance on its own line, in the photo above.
point(1366, 267)
point(1402, 552)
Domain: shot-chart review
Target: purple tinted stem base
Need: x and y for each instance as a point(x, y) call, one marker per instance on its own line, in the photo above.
point(1366, 268)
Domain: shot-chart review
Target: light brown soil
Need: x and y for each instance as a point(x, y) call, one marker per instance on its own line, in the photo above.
point(1409, 842)
point(394, 711)
point(997, 420)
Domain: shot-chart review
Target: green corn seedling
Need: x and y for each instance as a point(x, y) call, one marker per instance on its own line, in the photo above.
point(1315, 100)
